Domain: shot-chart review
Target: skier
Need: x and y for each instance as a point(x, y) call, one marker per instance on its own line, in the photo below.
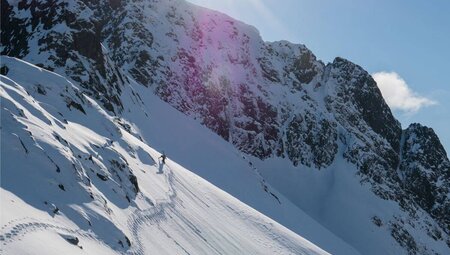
point(163, 157)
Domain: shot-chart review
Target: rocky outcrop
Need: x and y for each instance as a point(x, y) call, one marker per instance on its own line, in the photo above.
point(425, 172)
point(62, 37)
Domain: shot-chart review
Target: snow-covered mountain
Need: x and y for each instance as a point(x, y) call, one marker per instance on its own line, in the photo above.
point(72, 171)
point(313, 146)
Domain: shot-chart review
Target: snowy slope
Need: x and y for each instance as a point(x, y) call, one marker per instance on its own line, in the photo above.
point(204, 152)
point(58, 156)
point(312, 145)
point(332, 196)
point(325, 195)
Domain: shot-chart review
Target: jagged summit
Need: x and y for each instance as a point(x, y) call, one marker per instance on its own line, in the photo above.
point(425, 171)
point(296, 119)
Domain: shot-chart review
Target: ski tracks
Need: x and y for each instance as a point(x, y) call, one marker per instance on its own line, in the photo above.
point(152, 215)
point(16, 229)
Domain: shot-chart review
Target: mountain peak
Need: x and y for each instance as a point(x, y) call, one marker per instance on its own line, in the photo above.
point(422, 142)
point(425, 170)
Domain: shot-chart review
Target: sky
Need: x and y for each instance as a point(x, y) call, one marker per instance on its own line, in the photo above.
point(404, 44)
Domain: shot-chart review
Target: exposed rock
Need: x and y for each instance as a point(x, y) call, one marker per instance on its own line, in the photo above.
point(133, 181)
point(102, 177)
point(425, 171)
point(71, 239)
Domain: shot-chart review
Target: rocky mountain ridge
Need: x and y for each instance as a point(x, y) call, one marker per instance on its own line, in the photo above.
point(268, 99)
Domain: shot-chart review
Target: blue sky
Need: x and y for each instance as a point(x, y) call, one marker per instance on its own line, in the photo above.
point(406, 42)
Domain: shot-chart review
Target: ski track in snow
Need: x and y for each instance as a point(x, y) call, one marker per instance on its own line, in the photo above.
point(16, 229)
point(155, 214)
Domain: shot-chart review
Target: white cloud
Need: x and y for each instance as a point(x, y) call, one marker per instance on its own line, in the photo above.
point(397, 93)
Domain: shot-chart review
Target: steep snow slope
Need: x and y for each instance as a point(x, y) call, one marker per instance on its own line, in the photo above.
point(277, 102)
point(64, 178)
point(203, 151)
point(335, 197)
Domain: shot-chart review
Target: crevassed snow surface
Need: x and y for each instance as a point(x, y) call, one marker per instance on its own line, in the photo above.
point(65, 164)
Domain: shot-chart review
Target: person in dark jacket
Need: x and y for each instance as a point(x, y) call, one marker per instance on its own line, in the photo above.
point(163, 157)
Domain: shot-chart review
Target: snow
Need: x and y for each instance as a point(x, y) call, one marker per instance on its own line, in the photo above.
point(208, 155)
point(335, 197)
point(175, 212)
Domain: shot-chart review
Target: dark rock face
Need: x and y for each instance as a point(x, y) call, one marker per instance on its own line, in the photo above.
point(133, 180)
point(13, 40)
point(425, 171)
point(373, 134)
point(304, 67)
point(404, 238)
point(311, 142)
point(360, 88)
point(4, 70)
point(72, 35)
